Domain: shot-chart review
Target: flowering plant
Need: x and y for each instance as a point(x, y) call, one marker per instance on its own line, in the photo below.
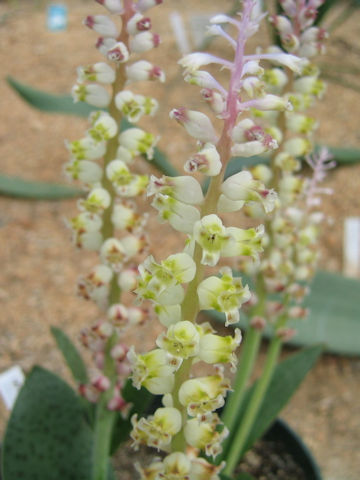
point(259, 108)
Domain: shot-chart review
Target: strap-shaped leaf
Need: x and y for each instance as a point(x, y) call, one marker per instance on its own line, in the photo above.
point(47, 437)
point(71, 355)
point(20, 188)
point(49, 102)
point(287, 378)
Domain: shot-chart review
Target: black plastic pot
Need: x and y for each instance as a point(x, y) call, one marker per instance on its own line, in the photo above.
point(281, 432)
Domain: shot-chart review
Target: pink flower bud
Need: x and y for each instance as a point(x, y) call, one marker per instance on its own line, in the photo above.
point(114, 6)
point(138, 23)
point(102, 24)
point(119, 352)
point(143, 5)
point(144, 70)
point(258, 323)
point(144, 41)
point(88, 392)
point(118, 315)
point(101, 383)
point(104, 44)
point(118, 53)
point(286, 334)
point(137, 315)
point(197, 124)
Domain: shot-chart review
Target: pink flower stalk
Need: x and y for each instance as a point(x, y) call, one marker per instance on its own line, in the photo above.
point(320, 163)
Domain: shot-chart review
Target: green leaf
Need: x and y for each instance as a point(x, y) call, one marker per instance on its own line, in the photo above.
point(48, 102)
point(334, 318)
point(20, 188)
point(71, 355)
point(242, 476)
point(344, 156)
point(47, 437)
point(287, 378)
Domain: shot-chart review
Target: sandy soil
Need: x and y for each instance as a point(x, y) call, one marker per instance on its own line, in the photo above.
point(39, 265)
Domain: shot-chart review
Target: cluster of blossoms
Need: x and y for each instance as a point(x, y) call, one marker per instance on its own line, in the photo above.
point(108, 221)
point(291, 253)
point(188, 419)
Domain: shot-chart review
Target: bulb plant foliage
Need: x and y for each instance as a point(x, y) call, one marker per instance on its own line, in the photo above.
point(258, 105)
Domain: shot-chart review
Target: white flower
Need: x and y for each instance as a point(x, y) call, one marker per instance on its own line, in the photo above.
point(185, 189)
point(114, 6)
point(157, 430)
point(225, 294)
point(207, 161)
point(98, 200)
point(118, 53)
point(181, 216)
point(143, 70)
point(85, 171)
point(99, 72)
point(242, 186)
point(102, 25)
point(217, 349)
point(197, 124)
point(211, 235)
point(104, 128)
point(86, 149)
point(205, 435)
point(181, 340)
point(92, 93)
point(153, 370)
point(137, 141)
point(144, 41)
point(138, 23)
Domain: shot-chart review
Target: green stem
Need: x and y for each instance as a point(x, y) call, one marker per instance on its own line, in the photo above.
point(105, 420)
point(249, 353)
point(239, 441)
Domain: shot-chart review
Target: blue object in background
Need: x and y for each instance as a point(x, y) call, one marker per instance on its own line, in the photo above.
point(56, 17)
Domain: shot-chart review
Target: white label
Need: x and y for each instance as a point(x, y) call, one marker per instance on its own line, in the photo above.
point(352, 247)
point(10, 383)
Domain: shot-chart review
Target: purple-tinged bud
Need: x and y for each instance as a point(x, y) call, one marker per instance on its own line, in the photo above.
point(197, 124)
point(118, 53)
point(99, 360)
point(138, 23)
point(143, 42)
point(114, 6)
point(102, 24)
point(143, 5)
point(286, 334)
point(104, 44)
point(137, 315)
point(214, 99)
point(103, 330)
point(89, 392)
point(282, 24)
point(117, 403)
point(112, 252)
point(258, 323)
point(101, 383)
point(118, 315)
point(298, 312)
point(119, 352)
point(144, 70)
point(206, 161)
